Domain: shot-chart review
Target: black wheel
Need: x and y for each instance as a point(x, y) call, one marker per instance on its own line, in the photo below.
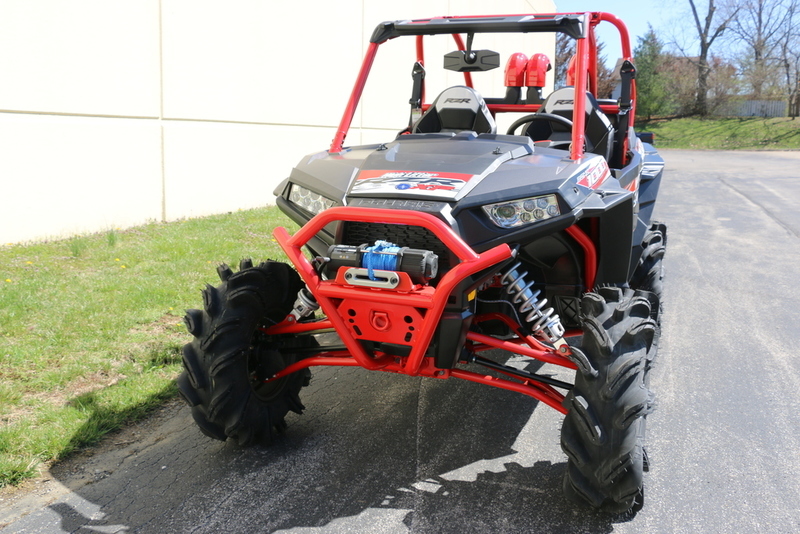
point(649, 273)
point(533, 117)
point(227, 361)
point(603, 432)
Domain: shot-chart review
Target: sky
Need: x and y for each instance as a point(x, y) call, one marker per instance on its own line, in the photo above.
point(660, 14)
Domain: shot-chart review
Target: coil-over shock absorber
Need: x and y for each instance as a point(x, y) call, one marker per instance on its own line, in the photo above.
point(541, 320)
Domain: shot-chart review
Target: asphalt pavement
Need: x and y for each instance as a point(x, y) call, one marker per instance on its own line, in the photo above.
point(382, 453)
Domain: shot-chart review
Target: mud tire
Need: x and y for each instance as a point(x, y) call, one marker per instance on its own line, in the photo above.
point(649, 273)
point(226, 362)
point(603, 432)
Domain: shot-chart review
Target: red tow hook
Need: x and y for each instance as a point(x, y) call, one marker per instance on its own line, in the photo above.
point(380, 321)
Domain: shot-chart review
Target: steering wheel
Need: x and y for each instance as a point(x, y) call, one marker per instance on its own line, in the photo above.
point(549, 117)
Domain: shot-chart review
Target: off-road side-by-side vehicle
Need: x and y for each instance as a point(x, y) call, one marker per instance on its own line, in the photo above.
point(450, 239)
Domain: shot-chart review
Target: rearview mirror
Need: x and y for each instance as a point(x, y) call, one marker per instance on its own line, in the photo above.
point(471, 61)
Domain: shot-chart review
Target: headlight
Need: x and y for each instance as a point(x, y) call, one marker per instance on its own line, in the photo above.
point(309, 200)
point(523, 211)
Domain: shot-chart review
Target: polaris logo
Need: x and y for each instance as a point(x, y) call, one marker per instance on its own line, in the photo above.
point(396, 203)
point(457, 100)
point(564, 102)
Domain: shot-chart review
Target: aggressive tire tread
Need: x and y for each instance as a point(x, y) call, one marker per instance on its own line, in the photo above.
point(219, 380)
point(649, 273)
point(603, 431)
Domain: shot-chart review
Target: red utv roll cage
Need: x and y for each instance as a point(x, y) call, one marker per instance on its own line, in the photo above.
point(408, 314)
point(580, 26)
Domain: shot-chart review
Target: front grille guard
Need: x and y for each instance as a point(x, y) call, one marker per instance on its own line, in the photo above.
point(425, 302)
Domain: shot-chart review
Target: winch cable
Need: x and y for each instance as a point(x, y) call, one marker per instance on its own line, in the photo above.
point(382, 256)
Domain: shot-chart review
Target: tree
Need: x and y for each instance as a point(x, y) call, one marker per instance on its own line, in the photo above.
point(606, 78)
point(762, 27)
point(565, 49)
point(723, 84)
point(679, 75)
point(790, 60)
point(652, 96)
point(707, 33)
point(792, 73)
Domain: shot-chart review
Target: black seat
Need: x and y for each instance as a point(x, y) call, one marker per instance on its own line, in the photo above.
point(457, 109)
point(599, 131)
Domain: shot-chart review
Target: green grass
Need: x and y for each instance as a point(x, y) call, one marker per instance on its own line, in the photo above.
point(731, 133)
point(91, 327)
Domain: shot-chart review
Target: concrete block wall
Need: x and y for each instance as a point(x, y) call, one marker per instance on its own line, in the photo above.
point(118, 112)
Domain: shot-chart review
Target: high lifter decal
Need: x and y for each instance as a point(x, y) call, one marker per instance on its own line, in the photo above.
point(442, 184)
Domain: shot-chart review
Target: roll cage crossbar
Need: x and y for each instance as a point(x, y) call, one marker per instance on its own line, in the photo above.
point(579, 26)
point(572, 25)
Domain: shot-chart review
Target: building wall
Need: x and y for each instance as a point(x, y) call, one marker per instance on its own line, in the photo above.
point(118, 112)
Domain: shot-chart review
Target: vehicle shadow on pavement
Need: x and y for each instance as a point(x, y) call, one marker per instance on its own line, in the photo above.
point(373, 453)
point(456, 507)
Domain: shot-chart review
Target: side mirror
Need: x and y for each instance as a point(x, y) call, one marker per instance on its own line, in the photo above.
point(471, 60)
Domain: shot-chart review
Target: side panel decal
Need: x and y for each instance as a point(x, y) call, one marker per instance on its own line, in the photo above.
point(594, 175)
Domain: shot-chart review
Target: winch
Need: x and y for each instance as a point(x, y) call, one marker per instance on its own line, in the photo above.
point(420, 265)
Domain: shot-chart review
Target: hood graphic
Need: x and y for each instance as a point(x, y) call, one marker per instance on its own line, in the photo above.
point(445, 169)
point(438, 184)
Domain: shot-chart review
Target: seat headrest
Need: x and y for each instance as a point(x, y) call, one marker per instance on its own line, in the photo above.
point(562, 102)
point(459, 108)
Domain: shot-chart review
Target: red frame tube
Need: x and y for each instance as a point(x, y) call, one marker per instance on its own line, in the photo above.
point(627, 53)
point(589, 255)
point(535, 349)
point(624, 36)
point(541, 355)
point(592, 66)
point(421, 61)
point(530, 341)
point(355, 96)
point(579, 110)
point(586, 78)
point(540, 392)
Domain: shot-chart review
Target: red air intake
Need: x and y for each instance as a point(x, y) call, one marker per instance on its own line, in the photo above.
point(515, 70)
point(536, 71)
